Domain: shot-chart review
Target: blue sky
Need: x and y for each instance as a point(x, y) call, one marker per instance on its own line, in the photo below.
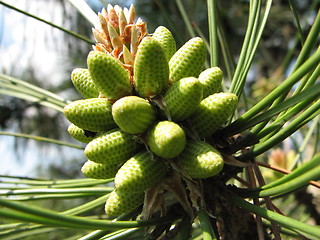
point(5, 35)
point(26, 42)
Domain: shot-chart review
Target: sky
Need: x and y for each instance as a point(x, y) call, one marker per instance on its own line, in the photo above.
point(26, 42)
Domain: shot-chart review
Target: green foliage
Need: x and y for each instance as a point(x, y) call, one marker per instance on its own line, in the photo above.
point(263, 122)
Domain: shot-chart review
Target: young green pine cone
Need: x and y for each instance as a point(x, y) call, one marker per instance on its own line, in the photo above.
point(80, 134)
point(165, 38)
point(189, 60)
point(82, 81)
point(212, 112)
point(166, 139)
point(183, 98)
point(200, 160)
point(133, 114)
point(99, 171)
point(92, 114)
point(111, 147)
point(139, 173)
point(109, 75)
point(151, 70)
point(119, 203)
point(211, 81)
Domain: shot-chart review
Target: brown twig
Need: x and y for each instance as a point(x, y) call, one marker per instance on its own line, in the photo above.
point(242, 181)
point(253, 184)
point(274, 226)
point(285, 171)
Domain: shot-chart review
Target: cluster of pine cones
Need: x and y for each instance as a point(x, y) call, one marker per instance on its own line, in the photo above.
point(147, 109)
